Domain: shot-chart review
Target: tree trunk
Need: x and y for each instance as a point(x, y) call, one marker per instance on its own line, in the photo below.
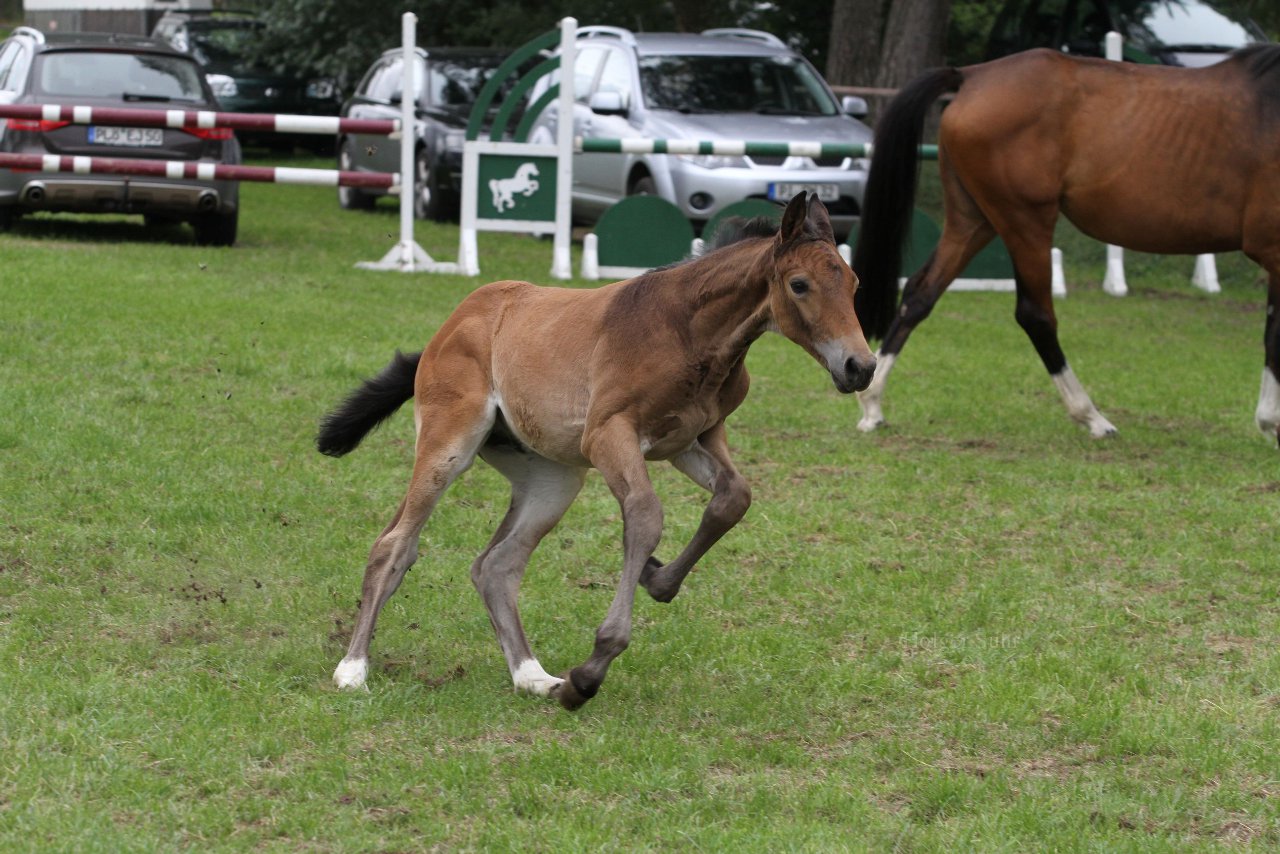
point(853, 52)
point(914, 40)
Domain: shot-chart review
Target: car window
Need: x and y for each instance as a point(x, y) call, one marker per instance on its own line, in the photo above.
point(220, 42)
point(7, 56)
point(783, 85)
point(396, 80)
point(115, 75)
point(384, 81)
point(616, 75)
point(456, 81)
point(585, 66)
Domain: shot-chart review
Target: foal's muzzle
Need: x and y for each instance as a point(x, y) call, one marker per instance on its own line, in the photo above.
point(856, 374)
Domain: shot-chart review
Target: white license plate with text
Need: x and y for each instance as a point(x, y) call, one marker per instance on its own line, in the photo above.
point(788, 191)
point(127, 137)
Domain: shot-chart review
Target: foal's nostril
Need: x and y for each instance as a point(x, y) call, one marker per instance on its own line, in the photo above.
point(859, 374)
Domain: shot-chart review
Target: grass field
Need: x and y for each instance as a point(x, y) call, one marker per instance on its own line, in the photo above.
point(978, 629)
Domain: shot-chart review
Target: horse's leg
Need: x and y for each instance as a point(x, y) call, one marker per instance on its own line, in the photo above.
point(448, 437)
point(1267, 414)
point(541, 492)
point(964, 234)
point(1030, 245)
point(614, 448)
point(707, 464)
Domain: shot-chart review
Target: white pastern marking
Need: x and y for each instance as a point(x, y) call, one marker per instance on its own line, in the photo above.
point(1078, 404)
point(869, 398)
point(530, 678)
point(1268, 412)
point(351, 673)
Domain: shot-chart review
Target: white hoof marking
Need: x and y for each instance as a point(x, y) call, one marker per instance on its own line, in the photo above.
point(351, 673)
point(1268, 412)
point(530, 678)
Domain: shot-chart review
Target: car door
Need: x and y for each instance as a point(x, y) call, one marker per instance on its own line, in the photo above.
point(604, 114)
point(376, 153)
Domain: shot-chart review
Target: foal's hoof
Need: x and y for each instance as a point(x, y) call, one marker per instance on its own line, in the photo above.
point(570, 695)
point(660, 593)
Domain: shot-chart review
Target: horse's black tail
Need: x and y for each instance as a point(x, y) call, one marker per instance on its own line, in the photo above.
point(368, 406)
point(890, 195)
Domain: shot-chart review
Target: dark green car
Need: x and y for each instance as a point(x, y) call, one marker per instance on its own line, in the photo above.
point(218, 41)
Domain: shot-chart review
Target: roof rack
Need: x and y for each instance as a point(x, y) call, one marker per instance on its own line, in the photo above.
point(622, 34)
point(29, 31)
point(743, 33)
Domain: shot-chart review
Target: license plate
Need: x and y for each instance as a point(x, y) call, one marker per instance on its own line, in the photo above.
point(785, 192)
point(127, 137)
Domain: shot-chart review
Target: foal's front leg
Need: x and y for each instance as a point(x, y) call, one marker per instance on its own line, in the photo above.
point(614, 449)
point(707, 464)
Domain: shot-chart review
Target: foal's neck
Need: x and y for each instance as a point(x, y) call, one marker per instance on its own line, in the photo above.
point(727, 298)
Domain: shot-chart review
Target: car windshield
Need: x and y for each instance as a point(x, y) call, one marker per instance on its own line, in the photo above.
point(1187, 24)
point(114, 74)
point(214, 42)
point(456, 81)
point(779, 85)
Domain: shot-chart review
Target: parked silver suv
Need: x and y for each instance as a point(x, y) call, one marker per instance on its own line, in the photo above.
point(728, 84)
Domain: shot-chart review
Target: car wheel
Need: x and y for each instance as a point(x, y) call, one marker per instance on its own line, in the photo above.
point(429, 200)
point(218, 229)
point(643, 186)
point(350, 198)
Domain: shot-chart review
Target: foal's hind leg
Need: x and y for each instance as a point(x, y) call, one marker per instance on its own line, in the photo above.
point(707, 464)
point(541, 492)
point(448, 438)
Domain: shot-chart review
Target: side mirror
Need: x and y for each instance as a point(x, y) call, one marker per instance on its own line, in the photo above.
point(608, 104)
point(852, 105)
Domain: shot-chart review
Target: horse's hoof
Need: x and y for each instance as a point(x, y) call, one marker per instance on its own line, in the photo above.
point(570, 695)
point(350, 673)
point(647, 581)
point(868, 424)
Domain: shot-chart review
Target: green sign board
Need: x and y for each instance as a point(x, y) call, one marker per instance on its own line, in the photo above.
point(516, 187)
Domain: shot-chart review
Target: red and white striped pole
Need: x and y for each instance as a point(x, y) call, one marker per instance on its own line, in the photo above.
point(198, 119)
point(200, 170)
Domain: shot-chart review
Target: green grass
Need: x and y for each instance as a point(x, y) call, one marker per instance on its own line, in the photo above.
point(978, 629)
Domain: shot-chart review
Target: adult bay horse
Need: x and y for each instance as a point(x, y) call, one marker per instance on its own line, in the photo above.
point(1156, 159)
point(546, 383)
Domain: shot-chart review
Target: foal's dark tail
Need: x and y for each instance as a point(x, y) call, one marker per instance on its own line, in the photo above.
point(368, 406)
point(891, 191)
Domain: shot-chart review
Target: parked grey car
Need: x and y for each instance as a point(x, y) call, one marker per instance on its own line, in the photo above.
point(100, 70)
point(452, 78)
point(727, 84)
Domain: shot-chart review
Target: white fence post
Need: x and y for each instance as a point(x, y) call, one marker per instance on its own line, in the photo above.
point(1114, 283)
point(407, 256)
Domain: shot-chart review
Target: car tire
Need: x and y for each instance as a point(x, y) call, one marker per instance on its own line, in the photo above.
point(218, 229)
point(350, 198)
point(429, 200)
point(643, 186)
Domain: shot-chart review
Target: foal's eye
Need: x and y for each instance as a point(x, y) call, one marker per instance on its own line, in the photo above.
point(799, 287)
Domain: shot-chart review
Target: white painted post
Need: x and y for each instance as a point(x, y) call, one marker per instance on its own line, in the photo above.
point(407, 256)
point(1058, 276)
point(591, 257)
point(561, 265)
point(1114, 283)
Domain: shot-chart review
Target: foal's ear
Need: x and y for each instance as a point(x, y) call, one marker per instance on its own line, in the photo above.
point(819, 219)
point(793, 218)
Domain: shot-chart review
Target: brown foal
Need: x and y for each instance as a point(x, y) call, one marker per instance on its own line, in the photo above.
point(546, 383)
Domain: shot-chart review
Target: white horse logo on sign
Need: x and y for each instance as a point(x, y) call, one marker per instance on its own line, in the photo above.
point(525, 183)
